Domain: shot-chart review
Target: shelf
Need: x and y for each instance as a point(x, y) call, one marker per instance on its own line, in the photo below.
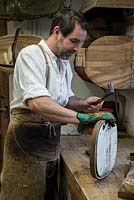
point(89, 4)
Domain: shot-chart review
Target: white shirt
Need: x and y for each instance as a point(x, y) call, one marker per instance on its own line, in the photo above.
point(29, 79)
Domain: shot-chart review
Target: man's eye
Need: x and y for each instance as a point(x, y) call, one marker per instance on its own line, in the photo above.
point(75, 41)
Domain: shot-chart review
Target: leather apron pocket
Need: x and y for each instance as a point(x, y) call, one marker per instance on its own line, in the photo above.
point(39, 140)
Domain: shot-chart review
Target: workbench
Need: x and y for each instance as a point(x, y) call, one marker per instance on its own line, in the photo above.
point(77, 179)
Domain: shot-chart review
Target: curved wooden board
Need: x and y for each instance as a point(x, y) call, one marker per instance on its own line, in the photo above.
point(22, 41)
point(109, 59)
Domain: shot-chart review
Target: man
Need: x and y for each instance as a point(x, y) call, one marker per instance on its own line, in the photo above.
point(42, 100)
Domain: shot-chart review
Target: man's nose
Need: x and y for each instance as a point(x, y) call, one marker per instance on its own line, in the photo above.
point(77, 47)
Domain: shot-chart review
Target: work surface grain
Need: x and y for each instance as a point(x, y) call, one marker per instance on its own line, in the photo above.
point(77, 169)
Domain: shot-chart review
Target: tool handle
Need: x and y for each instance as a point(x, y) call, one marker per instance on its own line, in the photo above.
point(102, 98)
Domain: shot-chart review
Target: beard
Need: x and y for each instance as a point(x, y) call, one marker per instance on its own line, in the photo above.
point(63, 53)
point(66, 55)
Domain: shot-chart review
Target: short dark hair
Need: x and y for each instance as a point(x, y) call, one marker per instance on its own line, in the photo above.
point(66, 22)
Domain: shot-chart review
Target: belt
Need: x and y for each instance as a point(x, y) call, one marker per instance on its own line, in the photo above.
point(34, 115)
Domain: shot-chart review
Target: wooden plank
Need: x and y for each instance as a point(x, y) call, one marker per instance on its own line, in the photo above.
point(82, 184)
point(76, 169)
point(124, 194)
point(89, 4)
point(108, 59)
point(3, 27)
point(4, 120)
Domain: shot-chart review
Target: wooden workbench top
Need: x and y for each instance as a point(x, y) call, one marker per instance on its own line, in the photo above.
point(76, 169)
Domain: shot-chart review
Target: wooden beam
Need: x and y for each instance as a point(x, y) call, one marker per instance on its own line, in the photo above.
point(89, 4)
point(3, 27)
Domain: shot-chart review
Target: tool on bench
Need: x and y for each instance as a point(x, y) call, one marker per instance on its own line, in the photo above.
point(127, 187)
point(107, 94)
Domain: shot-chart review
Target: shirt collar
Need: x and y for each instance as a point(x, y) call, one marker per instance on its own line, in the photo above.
point(46, 48)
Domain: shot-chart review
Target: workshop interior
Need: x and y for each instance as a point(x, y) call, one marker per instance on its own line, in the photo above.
point(97, 163)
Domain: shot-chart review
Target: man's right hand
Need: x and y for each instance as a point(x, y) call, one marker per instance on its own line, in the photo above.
point(95, 117)
point(88, 120)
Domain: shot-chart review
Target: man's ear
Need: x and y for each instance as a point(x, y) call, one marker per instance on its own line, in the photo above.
point(56, 30)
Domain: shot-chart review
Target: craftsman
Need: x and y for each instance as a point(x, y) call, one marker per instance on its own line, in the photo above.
point(42, 100)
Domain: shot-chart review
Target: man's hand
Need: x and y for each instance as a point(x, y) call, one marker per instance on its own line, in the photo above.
point(90, 104)
point(95, 117)
point(88, 120)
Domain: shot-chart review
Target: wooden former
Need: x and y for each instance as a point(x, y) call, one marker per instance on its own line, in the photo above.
point(6, 45)
point(76, 169)
point(108, 59)
point(89, 4)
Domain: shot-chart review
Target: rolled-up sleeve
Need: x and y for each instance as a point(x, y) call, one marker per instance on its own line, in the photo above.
point(30, 75)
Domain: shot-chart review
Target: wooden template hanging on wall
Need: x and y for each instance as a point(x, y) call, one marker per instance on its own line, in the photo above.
point(108, 59)
point(22, 41)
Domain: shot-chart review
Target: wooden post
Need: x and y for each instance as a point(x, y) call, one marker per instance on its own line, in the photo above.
point(3, 27)
point(3, 31)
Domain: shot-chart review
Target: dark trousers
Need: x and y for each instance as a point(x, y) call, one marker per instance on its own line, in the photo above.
point(52, 180)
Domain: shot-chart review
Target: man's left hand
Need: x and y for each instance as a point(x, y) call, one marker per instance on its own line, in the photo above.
point(91, 106)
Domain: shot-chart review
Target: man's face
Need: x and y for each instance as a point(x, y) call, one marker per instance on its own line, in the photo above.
point(67, 46)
